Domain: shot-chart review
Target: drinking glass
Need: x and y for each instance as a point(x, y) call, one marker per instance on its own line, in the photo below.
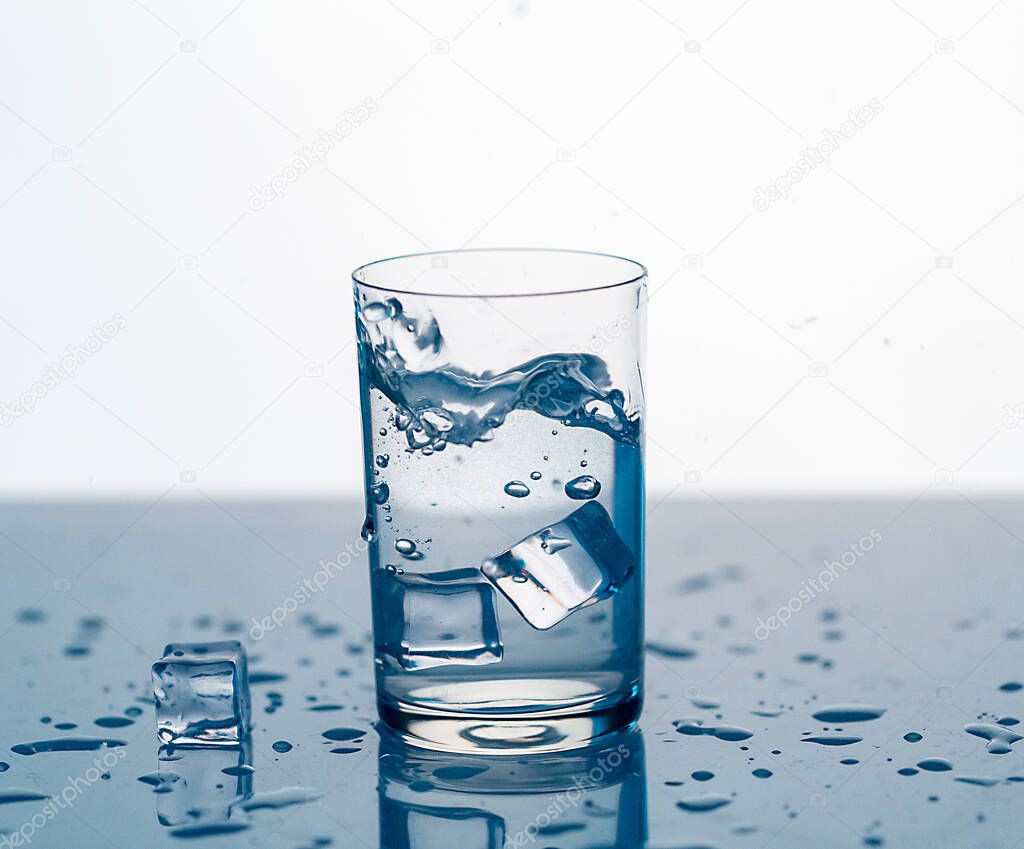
point(503, 420)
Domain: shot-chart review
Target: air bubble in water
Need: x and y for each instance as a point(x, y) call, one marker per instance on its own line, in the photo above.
point(383, 460)
point(438, 419)
point(407, 548)
point(551, 543)
point(535, 476)
point(583, 488)
point(417, 437)
point(376, 311)
point(517, 489)
point(380, 493)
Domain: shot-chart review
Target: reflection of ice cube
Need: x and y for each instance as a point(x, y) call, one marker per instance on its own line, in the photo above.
point(203, 792)
point(202, 694)
point(408, 826)
point(563, 567)
point(440, 619)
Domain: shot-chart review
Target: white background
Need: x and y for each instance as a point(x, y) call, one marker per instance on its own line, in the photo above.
point(822, 344)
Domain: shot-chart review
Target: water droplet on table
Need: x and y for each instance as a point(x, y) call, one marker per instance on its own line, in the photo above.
point(517, 489)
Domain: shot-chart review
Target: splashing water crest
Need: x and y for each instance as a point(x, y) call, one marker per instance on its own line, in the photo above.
point(437, 402)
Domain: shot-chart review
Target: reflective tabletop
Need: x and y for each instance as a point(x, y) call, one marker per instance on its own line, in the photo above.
point(819, 673)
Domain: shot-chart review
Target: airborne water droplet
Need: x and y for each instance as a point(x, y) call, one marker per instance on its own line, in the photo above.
point(517, 489)
point(583, 488)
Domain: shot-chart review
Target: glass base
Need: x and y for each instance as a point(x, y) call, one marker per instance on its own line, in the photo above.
point(519, 733)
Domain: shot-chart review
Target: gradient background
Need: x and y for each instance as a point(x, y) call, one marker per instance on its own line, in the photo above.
point(861, 334)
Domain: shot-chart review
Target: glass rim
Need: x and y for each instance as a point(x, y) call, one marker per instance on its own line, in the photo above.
point(641, 273)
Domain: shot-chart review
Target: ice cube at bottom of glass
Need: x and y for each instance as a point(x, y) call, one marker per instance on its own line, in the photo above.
point(408, 826)
point(203, 792)
point(561, 568)
point(202, 694)
point(440, 619)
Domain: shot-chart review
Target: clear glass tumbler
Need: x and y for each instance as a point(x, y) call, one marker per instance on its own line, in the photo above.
point(503, 414)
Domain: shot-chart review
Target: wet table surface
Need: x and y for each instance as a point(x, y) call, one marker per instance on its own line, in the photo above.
point(789, 702)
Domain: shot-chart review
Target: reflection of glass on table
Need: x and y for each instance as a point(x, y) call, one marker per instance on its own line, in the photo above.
point(588, 797)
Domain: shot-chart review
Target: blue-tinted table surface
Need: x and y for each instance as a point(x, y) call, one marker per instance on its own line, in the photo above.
point(819, 673)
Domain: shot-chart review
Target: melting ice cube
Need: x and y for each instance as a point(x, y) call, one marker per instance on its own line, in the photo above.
point(564, 567)
point(439, 619)
point(202, 694)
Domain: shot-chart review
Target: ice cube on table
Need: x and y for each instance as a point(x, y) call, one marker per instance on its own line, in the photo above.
point(202, 694)
point(564, 567)
point(203, 792)
point(439, 619)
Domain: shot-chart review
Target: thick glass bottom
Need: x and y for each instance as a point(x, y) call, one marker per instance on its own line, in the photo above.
point(513, 733)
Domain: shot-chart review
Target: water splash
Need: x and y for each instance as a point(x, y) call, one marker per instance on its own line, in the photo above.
point(437, 402)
